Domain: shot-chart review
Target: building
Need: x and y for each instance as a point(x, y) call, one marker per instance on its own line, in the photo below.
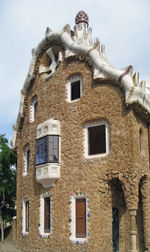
point(82, 138)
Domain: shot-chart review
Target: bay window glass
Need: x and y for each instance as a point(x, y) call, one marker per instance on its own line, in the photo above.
point(47, 149)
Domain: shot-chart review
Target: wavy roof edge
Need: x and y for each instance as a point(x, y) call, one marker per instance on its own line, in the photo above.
point(80, 42)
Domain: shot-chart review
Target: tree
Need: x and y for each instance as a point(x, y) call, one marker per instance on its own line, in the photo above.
point(8, 161)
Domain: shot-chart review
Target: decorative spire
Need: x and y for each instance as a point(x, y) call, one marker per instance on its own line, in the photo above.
point(81, 17)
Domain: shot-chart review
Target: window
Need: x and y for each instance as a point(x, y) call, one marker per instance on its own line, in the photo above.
point(96, 140)
point(74, 88)
point(45, 214)
point(25, 217)
point(47, 149)
point(26, 159)
point(80, 218)
point(33, 109)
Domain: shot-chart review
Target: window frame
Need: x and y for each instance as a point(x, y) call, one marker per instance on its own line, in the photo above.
point(33, 113)
point(42, 231)
point(25, 216)
point(47, 150)
point(86, 139)
point(73, 78)
point(47, 230)
point(72, 220)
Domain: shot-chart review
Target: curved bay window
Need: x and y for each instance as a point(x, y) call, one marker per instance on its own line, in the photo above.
point(47, 149)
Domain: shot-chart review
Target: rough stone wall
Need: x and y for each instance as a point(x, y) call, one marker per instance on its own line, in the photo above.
point(127, 161)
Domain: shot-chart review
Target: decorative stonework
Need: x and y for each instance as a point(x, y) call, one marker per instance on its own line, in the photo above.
point(81, 17)
point(72, 218)
point(80, 43)
point(26, 149)
point(48, 173)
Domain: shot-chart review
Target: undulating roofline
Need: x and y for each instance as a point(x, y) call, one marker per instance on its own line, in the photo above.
point(80, 43)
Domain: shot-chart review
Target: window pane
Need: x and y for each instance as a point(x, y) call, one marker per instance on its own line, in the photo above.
point(37, 152)
point(28, 159)
point(35, 110)
point(97, 140)
point(27, 216)
point(47, 215)
point(45, 149)
point(53, 148)
point(75, 90)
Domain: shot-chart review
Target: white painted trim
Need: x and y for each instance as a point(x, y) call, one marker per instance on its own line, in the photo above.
point(49, 127)
point(24, 233)
point(32, 109)
point(72, 218)
point(41, 215)
point(26, 148)
point(85, 139)
point(73, 78)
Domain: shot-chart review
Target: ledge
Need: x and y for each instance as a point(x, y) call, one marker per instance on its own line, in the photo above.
point(47, 174)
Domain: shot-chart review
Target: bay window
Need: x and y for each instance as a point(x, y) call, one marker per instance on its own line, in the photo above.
point(47, 149)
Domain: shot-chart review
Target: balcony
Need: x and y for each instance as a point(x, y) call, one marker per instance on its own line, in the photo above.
point(47, 174)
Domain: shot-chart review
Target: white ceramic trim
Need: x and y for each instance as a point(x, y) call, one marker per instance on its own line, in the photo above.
point(85, 139)
point(31, 109)
point(72, 218)
point(41, 215)
point(81, 44)
point(26, 148)
point(73, 78)
point(24, 233)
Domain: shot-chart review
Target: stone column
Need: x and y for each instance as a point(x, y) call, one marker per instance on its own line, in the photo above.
point(146, 220)
point(133, 232)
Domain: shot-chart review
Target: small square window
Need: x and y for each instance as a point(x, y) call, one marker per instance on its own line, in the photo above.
point(75, 90)
point(96, 140)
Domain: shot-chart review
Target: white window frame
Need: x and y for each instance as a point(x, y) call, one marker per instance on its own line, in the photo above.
point(85, 139)
point(73, 78)
point(26, 149)
point(72, 218)
point(41, 226)
point(24, 232)
point(32, 109)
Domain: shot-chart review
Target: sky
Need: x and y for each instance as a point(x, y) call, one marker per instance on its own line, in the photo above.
point(122, 25)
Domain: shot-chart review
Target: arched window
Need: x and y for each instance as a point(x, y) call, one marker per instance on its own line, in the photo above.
point(33, 109)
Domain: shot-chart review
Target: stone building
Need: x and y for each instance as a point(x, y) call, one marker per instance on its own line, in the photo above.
point(82, 139)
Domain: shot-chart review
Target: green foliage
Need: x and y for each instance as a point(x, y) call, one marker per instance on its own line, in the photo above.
point(8, 161)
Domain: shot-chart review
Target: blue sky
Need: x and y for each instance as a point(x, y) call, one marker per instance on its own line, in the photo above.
point(123, 26)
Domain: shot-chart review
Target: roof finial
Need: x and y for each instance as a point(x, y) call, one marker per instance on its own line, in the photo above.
point(81, 17)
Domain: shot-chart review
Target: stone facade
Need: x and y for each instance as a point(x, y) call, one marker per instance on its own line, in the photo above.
point(117, 180)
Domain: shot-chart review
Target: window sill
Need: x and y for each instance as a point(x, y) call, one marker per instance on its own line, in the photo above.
point(47, 174)
point(25, 234)
point(103, 155)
